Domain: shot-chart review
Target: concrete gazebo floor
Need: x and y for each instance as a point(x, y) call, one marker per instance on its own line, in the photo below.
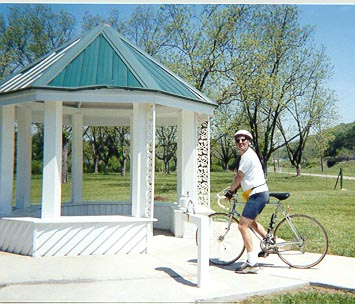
point(167, 274)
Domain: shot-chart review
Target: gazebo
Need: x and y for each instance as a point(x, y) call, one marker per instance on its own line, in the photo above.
point(99, 79)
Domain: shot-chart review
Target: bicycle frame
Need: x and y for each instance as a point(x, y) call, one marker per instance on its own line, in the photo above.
point(266, 243)
point(269, 243)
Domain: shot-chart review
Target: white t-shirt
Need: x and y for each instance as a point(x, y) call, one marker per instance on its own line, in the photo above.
point(253, 172)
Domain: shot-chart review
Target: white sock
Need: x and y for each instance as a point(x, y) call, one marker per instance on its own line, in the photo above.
point(251, 258)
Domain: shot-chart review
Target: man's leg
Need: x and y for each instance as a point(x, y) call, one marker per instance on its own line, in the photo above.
point(243, 227)
point(250, 266)
point(252, 209)
point(259, 229)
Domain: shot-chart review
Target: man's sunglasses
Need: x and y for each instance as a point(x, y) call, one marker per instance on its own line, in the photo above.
point(240, 140)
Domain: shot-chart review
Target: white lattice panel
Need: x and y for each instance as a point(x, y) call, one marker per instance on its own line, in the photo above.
point(203, 165)
point(16, 237)
point(72, 235)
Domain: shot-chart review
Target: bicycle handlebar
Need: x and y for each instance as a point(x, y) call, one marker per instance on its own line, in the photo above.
point(220, 196)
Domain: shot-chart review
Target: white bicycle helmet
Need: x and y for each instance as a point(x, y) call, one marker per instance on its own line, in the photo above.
point(245, 133)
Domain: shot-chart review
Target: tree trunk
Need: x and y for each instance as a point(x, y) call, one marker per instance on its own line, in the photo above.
point(167, 167)
point(298, 170)
point(96, 164)
point(123, 162)
point(65, 163)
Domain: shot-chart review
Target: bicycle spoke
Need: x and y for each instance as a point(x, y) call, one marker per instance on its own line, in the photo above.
point(226, 245)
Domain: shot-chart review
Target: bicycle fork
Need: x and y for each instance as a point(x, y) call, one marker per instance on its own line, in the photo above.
point(230, 215)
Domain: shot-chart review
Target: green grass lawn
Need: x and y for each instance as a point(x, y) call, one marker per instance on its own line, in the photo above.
point(314, 196)
point(309, 294)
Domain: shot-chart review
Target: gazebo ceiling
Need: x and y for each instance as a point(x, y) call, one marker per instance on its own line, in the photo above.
point(100, 68)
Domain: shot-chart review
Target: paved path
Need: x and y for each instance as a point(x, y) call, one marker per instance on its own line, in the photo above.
point(315, 174)
point(167, 274)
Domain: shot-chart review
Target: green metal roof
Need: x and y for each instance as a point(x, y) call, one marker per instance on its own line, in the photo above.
point(101, 58)
point(97, 64)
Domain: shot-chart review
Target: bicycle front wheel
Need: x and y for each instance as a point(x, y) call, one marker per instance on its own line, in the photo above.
point(302, 242)
point(226, 244)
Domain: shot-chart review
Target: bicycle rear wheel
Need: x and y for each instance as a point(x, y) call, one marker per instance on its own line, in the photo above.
point(306, 246)
point(226, 244)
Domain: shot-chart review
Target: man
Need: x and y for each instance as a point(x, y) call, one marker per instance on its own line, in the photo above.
point(250, 177)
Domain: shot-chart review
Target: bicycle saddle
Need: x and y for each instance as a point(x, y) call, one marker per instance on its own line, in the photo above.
point(280, 196)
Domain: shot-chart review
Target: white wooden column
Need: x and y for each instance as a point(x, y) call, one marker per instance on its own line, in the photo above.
point(142, 160)
point(77, 159)
point(52, 160)
point(7, 118)
point(24, 157)
point(187, 154)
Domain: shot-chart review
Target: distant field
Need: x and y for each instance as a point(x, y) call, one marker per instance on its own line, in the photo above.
point(314, 196)
point(348, 169)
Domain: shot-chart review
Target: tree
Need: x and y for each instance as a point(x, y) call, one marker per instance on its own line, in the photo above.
point(37, 141)
point(66, 151)
point(279, 79)
point(320, 142)
point(123, 147)
point(89, 21)
point(195, 43)
point(307, 116)
point(31, 31)
point(224, 123)
point(166, 145)
point(148, 29)
point(92, 136)
point(200, 42)
point(342, 144)
point(105, 144)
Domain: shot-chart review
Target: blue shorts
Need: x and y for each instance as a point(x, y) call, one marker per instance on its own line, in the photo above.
point(255, 205)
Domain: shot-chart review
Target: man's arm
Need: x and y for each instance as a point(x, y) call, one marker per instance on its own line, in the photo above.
point(236, 181)
point(235, 184)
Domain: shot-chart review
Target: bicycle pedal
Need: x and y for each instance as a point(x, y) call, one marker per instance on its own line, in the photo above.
point(263, 254)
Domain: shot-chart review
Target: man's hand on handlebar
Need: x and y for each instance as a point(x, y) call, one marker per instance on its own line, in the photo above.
point(229, 194)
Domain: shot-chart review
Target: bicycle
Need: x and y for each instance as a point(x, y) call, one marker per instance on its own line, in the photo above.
point(299, 240)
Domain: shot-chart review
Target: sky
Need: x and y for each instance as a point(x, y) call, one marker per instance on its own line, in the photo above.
point(335, 30)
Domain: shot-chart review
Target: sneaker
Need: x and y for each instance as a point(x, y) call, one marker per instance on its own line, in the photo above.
point(247, 268)
point(263, 254)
